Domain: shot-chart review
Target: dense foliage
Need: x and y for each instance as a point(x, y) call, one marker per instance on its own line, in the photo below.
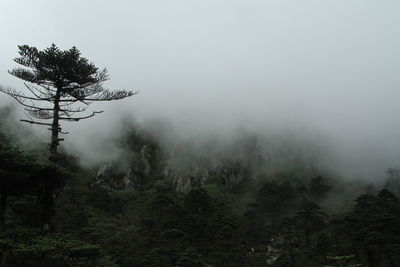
point(282, 218)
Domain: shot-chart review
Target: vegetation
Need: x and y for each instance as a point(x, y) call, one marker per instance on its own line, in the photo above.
point(151, 223)
point(154, 209)
point(64, 79)
point(69, 83)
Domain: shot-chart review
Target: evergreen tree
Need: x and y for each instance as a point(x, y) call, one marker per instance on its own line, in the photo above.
point(21, 174)
point(59, 84)
point(310, 219)
point(373, 228)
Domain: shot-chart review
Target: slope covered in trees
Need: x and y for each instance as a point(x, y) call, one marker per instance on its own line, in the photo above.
point(158, 208)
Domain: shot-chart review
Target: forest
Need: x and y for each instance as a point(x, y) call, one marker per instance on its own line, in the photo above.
point(246, 203)
point(232, 133)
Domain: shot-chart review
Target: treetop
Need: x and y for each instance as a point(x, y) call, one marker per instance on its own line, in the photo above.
point(53, 66)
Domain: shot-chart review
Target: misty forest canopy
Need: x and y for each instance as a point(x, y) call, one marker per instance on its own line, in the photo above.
point(252, 202)
point(253, 207)
point(59, 87)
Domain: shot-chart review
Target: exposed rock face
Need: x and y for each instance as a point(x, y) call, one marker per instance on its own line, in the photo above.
point(142, 163)
point(143, 166)
point(127, 180)
point(231, 173)
point(271, 254)
point(185, 180)
point(187, 166)
point(109, 178)
point(147, 164)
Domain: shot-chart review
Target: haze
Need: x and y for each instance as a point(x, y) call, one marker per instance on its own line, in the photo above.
point(327, 70)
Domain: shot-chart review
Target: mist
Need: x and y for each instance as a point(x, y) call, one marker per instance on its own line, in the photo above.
point(320, 75)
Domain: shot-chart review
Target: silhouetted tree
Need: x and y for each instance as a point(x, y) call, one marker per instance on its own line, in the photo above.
point(59, 85)
point(310, 219)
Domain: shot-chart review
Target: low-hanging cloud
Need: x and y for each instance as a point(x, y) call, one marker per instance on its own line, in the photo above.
point(323, 70)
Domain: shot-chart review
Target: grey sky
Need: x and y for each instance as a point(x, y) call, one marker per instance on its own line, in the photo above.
point(329, 65)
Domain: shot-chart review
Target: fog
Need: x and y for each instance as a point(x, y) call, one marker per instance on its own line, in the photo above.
point(317, 71)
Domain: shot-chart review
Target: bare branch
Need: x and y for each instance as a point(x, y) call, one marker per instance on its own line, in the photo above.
point(35, 122)
point(78, 109)
point(107, 95)
point(48, 88)
point(13, 93)
point(80, 118)
point(32, 89)
point(21, 101)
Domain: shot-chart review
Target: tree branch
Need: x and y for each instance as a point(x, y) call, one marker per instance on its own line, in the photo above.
point(13, 93)
point(35, 122)
point(80, 118)
point(29, 87)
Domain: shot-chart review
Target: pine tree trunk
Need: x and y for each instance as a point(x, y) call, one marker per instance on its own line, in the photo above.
point(47, 199)
point(55, 128)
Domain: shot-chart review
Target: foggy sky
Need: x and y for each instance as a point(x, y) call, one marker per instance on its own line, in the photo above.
point(323, 67)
